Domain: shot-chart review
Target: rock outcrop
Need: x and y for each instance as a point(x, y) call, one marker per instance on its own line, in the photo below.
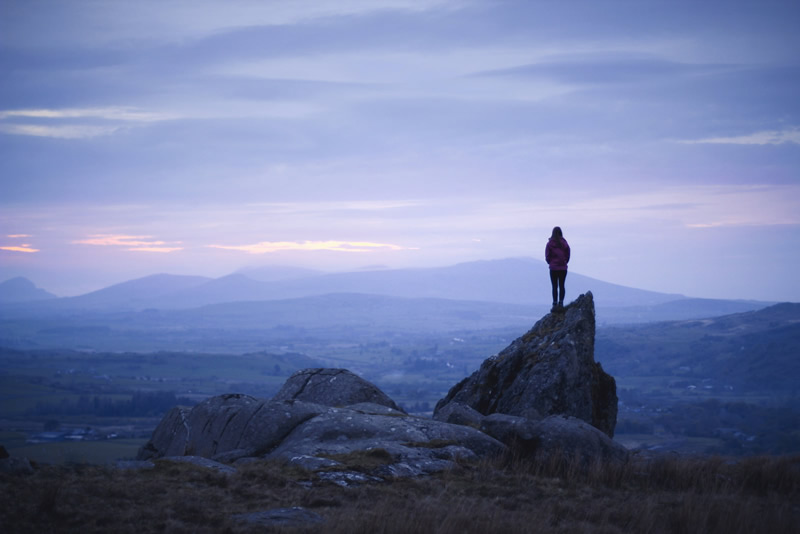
point(548, 371)
point(227, 427)
point(233, 427)
point(576, 439)
point(554, 436)
point(332, 387)
point(363, 427)
point(542, 396)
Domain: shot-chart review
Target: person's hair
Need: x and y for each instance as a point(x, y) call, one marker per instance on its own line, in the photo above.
point(557, 233)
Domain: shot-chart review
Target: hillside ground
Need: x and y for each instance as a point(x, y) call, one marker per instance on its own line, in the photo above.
point(658, 495)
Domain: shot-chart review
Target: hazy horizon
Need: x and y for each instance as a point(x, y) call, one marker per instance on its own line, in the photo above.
point(200, 138)
point(288, 273)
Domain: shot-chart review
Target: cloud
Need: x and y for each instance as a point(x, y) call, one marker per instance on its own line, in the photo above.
point(770, 137)
point(603, 67)
point(69, 123)
point(90, 24)
point(117, 240)
point(156, 249)
point(22, 248)
point(265, 247)
point(136, 243)
point(109, 113)
point(335, 206)
point(58, 132)
point(700, 206)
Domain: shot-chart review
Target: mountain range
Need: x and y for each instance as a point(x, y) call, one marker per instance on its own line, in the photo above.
point(514, 281)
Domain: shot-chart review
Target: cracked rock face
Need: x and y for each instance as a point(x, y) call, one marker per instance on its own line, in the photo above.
point(417, 439)
point(548, 371)
point(332, 387)
point(230, 427)
point(227, 427)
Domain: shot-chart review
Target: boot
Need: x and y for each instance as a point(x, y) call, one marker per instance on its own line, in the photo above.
point(561, 304)
point(555, 306)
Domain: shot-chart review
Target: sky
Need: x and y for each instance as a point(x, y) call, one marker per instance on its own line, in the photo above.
point(198, 137)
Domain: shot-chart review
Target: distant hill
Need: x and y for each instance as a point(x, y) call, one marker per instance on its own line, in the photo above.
point(511, 282)
point(21, 289)
point(362, 312)
point(232, 288)
point(139, 293)
point(681, 309)
point(751, 351)
point(274, 273)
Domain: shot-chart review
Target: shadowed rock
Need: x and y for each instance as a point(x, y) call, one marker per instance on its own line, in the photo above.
point(554, 436)
point(227, 427)
point(548, 371)
point(332, 387)
point(575, 439)
point(408, 438)
point(459, 414)
point(230, 427)
point(169, 437)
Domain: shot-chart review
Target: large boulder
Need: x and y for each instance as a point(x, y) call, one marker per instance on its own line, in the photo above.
point(231, 427)
point(227, 427)
point(575, 439)
point(345, 430)
point(555, 437)
point(548, 371)
point(332, 387)
point(234, 426)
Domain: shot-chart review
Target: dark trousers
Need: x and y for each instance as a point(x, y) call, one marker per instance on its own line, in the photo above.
point(557, 279)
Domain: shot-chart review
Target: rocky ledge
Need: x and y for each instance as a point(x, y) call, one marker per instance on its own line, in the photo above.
point(548, 371)
point(544, 395)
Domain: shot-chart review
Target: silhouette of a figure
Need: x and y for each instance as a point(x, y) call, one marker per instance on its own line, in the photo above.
point(556, 253)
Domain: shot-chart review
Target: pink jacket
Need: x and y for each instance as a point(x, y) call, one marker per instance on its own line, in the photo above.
point(556, 256)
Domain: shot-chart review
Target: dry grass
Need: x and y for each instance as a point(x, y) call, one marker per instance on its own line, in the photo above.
point(665, 495)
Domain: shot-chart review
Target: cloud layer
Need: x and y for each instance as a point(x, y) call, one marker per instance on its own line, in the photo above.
point(414, 132)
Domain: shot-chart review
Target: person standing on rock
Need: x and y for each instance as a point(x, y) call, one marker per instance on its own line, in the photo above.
point(556, 253)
